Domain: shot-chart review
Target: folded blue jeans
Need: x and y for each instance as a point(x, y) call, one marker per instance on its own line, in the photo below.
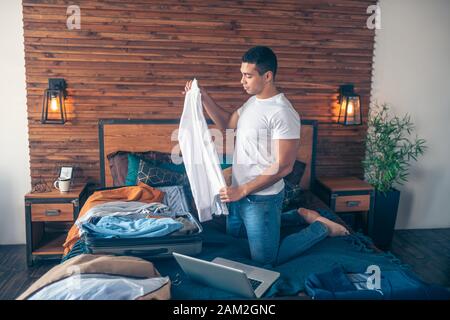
point(394, 285)
point(260, 218)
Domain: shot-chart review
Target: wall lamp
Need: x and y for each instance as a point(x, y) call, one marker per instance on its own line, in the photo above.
point(53, 106)
point(350, 106)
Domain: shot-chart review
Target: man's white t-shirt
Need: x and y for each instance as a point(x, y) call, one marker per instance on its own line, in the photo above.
point(260, 122)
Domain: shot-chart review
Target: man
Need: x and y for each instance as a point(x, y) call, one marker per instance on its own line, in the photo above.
point(267, 141)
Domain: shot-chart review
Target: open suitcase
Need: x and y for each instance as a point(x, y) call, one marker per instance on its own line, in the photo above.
point(152, 247)
point(155, 247)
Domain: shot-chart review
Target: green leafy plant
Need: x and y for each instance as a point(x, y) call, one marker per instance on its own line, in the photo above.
point(389, 148)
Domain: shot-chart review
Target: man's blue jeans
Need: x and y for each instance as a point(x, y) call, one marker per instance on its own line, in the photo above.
point(260, 218)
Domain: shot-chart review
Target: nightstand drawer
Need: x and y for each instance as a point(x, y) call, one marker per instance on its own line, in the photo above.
point(52, 212)
point(352, 203)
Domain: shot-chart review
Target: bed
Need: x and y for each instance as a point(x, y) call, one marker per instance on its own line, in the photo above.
point(354, 252)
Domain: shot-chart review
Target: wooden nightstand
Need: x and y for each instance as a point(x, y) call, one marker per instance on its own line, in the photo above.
point(48, 217)
point(349, 197)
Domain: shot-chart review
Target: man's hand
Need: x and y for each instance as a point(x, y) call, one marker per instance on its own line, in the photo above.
point(188, 86)
point(230, 194)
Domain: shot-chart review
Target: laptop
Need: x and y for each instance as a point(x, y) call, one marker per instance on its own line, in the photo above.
point(228, 275)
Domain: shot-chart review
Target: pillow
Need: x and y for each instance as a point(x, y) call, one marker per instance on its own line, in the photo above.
point(118, 165)
point(156, 158)
point(168, 164)
point(291, 196)
point(297, 173)
point(292, 187)
point(155, 176)
point(133, 168)
point(173, 167)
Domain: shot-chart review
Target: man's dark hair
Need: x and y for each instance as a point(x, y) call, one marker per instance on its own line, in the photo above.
point(264, 58)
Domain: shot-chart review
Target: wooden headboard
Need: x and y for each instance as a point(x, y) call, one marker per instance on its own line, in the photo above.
point(140, 135)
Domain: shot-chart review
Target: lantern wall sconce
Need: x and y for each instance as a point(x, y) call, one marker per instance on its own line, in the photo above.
point(349, 106)
point(53, 106)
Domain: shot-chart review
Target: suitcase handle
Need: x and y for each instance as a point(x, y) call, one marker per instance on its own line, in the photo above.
point(146, 253)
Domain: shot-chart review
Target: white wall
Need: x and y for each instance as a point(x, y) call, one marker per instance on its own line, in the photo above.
point(412, 72)
point(14, 159)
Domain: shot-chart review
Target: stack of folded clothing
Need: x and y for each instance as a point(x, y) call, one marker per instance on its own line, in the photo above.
point(127, 227)
point(120, 219)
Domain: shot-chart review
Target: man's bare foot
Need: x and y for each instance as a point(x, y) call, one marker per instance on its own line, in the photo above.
point(334, 229)
point(309, 215)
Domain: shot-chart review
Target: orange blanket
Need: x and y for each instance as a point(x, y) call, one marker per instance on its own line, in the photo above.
point(141, 192)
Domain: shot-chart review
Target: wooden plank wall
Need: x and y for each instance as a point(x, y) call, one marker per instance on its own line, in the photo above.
point(130, 59)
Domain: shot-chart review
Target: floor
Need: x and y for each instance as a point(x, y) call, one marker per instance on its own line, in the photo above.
point(427, 251)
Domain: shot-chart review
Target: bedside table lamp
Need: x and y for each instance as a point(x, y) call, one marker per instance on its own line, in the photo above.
point(53, 107)
point(350, 106)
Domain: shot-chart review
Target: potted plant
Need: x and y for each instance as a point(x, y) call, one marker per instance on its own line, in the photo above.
point(389, 150)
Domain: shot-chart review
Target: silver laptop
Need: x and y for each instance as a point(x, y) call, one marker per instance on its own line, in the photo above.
point(228, 275)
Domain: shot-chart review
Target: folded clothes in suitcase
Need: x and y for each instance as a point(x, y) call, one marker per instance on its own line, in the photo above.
point(186, 239)
point(148, 247)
